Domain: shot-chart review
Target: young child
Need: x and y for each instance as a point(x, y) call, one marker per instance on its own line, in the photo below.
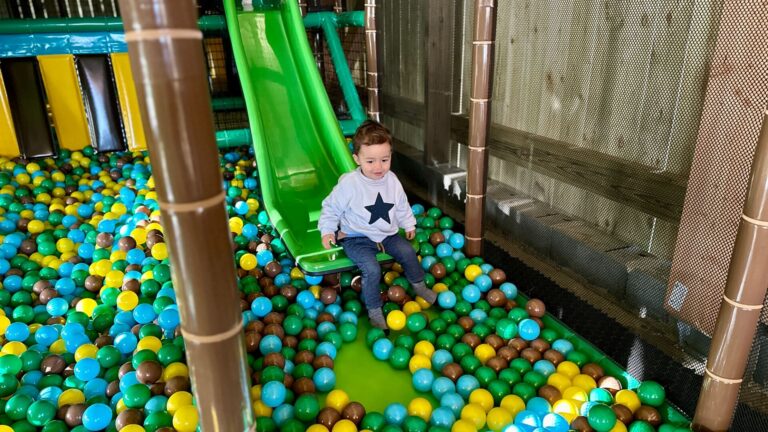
point(367, 208)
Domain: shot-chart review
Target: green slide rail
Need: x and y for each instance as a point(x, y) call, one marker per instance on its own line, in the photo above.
point(300, 150)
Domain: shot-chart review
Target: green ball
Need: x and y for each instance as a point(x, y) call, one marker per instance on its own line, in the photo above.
point(524, 390)
point(40, 413)
point(142, 356)
point(348, 332)
point(373, 334)
point(600, 395)
point(30, 360)
point(427, 335)
point(651, 393)
point(416, 322)
point(535, 379)
point(601, 418)
point(549, 335)
point(334, 338)
point(157, 420)
point(463, 307)
point(485, 375)
point(510, 376)
point(272, 373)
point(456, 331)
point(640, 426)
point(23, 426)
point(10, 364)
point(303, 370)
point(521, 365)
point(307, 408)
point(577, 357)
point(414, 424)
point(307, 344)
point(438, 325)
point(445, 341)
point(469, 363)
point(169, 354)
point(406, 341)
point(292, 325)
point(136, 396)
point(373, 421)
point(56, 426)
point(506, 328)
point(265, 424)
point(292, 425)
point(400, 358)
point(17, 406)
point(517, 314)
point(461, 350)
point(498, 389)
point(8, 385)
point(482, 330)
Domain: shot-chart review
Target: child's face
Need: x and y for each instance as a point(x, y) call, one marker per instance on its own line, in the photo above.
point(374, 160)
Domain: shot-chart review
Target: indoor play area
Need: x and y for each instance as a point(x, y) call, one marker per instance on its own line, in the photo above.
point(589, 180)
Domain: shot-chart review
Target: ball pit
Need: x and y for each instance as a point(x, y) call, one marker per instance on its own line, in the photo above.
point(91, 336)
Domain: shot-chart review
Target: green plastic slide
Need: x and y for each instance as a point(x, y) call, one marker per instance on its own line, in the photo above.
point(300, 150)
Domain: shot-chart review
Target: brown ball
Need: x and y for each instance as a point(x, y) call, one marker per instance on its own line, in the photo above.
point(128, 417)
point(331, 279)
point(303, 385)
point(554, 356)
point(289, 292)
point(550, 393)
point(252, 340)
point(94, 283)
point(176, 384)
point(149, 372)
point(274, 359)
point(594, 370)
point(466, 323)
point(308, 333)
point(397, 294)
point(609, 383)
point(623, 414)
point(328, 417)
point(453, 371)
point(581, 424)
point(104, 240)
point(536, 308)
point(41, 286)
point(531, 355)
point(354, 412)
point(471, 339)
point(649, 414)
point(74, 415)
point(357, 284)
point(496, 297)
point(322, 361)
point(497, 276)
point(131, 285)
point(28, 247)
point(304, 356)
point(328, 296)
point(157, 389)
point(438, 270)
point(495, 341)
point(256, 326)
point(125, 244)
point(540, 345)
point(497, 363)
point(518, 343)
point(508, 353)
point(52, 364)
point(103, 341)
point(47, 294)
point(436, 238)
point(273, 269)
point(274, 329)
point(113, 388)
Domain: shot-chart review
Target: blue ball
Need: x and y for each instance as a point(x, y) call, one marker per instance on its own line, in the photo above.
point(452, 401)
point(97, 417)
point(539, 405)
point(563, 346)
point(456, 241)
point(305, 299)
point(555, 423)
point(422, 380)
point(282, 279)
point(528, 420)
point(509, 289)
point(486, 268)
point(270, 344)
point(324, 328)
point(471, 293)
point(440, 358)
point(417, 209)
point(144, 313)
point(324, 379)
point(442, 416)
point(250, 231)
point(348, 317)
point(544, 367)
point(382, 349)
point(273, 393)
point(96, 387)
point(466, 384)
point(446, 299)
point(283, 413)
point(444, 250)
point(313, 280)
point(334, 309)
point(126, 342)
point(18, 332)
point(529, 329)
point(326, 348)
point(241, 208)
point(264, 257)
point(87, 369)
point(12, 283)
point(442, 386)
point(156, 404)
point(427, 262)
point(51, 394)
point(483, 282)
point(395, 413)
point(32, 377)
point(168, 319)
point(478, 315)
point(261, 306)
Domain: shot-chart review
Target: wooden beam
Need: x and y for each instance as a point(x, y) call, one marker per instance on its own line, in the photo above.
point(656, 194)
point(438, 41)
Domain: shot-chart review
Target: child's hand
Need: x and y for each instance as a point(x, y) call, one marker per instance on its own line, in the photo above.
point(329, 241)
point(410, 234)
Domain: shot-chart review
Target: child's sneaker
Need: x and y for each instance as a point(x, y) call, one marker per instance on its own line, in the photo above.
point(422, 291)
point(376, 316)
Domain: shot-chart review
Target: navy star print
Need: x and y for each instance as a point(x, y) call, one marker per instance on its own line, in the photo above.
point(379, 210)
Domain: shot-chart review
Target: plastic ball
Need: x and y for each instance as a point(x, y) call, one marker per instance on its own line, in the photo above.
point(422, 380)
point(466, 384)
point(497, 418)
point(324, 379)
point(273, 394)
point(483, 398)
point(382, 349)
point(442, 386)
point(395, 413)
point(396, 320)
point(97, 416)
point(442, 417)
point(475, 414)
point(629, 399)
point(186, 418)
point(337, 399)
point(651, 393)
point(601, 418)
point(529, 329)
point(446, 299)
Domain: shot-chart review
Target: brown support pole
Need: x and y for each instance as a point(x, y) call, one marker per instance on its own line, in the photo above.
point(742, 302)
point(165, 48)
point(479, 111)
point(372, 60)
point(438, 41)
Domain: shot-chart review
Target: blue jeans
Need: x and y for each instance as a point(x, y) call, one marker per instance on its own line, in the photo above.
point(362, 251)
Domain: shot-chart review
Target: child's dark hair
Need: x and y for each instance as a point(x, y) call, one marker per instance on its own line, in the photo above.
point(370, 133)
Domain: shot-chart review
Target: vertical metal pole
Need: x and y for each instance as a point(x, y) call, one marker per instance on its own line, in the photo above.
point(372, 61)
point(164, 44)
point(303, 7)
point(479, 110)
point(742, 303)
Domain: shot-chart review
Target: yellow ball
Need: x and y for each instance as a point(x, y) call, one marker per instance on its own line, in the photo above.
point(185, 419)
point(175, 369)
point(344, 426)
point(390, 277)
point(475, 414)
point(86, 351)
point(114, 279)
point(178, 400)
point(248, 262)
point(618, 427)
point(484, 352)
point(4, 428)
point(16, 348)
point(423, 303)
point(411, 307)
point(481, 397)
point(420, 407)
point(575, 393)
point(463, 426)
point(559, 381)
point(58, 347)
point(261, 409)
point(317, 428)
point(151, 343)
point(65, 245)
point(120, 407)
point(159, 251)
point(425, 348)
point(36, 227)
point(132, 428)
point(584, 381)
point(472, 272)
point(140, 235)
point(4, 323)
point(498, 418)
point(337, 399)
point(419, 361)
point(567, 408)
point(71, 397)
point(86, 306)
point(629, 399)
point(569, 369)
point(396, 320)
point(236, 225)
point(439, 287)
point(296, 273)
point(127, 300)
point(513, 403)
